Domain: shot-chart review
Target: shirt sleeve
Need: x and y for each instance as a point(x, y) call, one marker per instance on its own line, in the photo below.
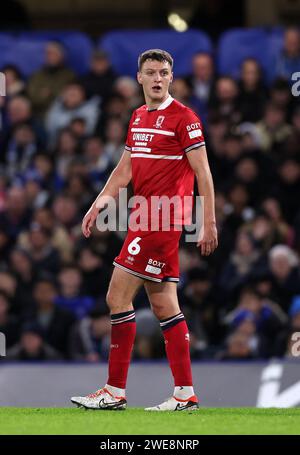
point(128, 142)
point(190, 131)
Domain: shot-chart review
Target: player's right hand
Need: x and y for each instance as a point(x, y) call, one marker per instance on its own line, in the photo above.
point(89, 220)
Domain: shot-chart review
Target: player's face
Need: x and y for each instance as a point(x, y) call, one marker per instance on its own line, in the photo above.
point(155, 77)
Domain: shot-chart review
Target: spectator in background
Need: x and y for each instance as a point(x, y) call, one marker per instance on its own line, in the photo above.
point(95, 273)
point(260, 318)
point(149, 343)
point(115, 135)
point(284, 268)
point(252, 92)
point(283, 341)
point(291, 146)
point(32, 346)
point(181, 91)
point(80, 189)
point(237, 209)
point(129, 90)
point(228, 157)
point(16, 216)
point(281, 95)
point(199, 307)
point(5, 245)
point(66, 213)
point(67, 147)
point(97, 161)
point(19, 111)
point(9, 324)
point(238, 345)
point(247, 172)
point(217, 128)
point(20, 150)
point(116, 106)
point(288, 61)
point(21, 266)
point(44, 168)
point(60, 238)
point(44, 256)
point(224, 99)
point(104, 243)
point(271, 206)
point(202, 80)
point(263, 231)
point(3, 188)
point(36, 195)
point(71, 104)
point(78, 128)
point(101, 77)
point(55, 322)
point(90, 337)
point(287, 187)
point(272, 129)
point(242, 261)
point(70, 296)
point(14, 81)
point(47, 83)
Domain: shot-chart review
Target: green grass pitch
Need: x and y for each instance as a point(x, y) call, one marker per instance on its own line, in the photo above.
point(205, 421)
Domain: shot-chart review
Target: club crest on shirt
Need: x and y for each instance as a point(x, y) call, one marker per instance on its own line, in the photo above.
point(159, 121)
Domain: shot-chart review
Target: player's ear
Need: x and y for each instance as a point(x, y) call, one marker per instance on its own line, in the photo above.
point(139, 77)
point(172, 75)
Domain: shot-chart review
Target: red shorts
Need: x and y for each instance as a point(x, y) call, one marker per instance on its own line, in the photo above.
point(151, 255)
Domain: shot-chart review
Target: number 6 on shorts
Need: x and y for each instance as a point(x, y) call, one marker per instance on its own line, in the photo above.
point(133, 247)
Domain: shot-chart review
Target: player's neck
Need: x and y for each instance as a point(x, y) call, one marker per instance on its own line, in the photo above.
point(154, 104)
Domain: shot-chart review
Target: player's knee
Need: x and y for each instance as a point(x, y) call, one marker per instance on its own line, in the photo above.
point(115, 302)
point(111, 299)
point(164, 308)
point(159, 309)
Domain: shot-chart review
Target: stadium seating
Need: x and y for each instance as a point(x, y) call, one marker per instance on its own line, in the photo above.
point(78, 46)
point(124, 47)
point(27, 55)
point(237, 44)
point(7, 42)
point(26, 49)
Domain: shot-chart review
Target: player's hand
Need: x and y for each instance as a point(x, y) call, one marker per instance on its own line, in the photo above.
point(209, 242)
point(89, 220)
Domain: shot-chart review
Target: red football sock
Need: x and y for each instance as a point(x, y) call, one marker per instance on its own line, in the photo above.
point(123, 331)
point(177, 345)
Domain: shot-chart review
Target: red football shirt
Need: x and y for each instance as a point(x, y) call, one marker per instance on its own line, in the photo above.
point(159, 140)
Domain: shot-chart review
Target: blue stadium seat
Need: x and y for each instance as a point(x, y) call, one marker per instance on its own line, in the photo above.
point(78, 46)
point(238, 44)
point(27, 55)
point(125, 46)
point(275, 38)
point(7, 42)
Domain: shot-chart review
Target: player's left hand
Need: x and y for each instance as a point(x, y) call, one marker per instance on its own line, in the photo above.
point(209, 241)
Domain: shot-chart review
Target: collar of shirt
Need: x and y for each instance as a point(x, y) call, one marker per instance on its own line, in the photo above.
point(163, 105)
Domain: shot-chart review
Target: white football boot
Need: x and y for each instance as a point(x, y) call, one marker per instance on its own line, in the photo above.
point(101, 399)
point(177, 404)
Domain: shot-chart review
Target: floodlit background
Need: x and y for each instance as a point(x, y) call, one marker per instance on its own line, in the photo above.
point(70, 71)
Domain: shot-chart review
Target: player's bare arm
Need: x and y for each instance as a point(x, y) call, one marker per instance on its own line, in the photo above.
point(199, 163)
point(119, 178)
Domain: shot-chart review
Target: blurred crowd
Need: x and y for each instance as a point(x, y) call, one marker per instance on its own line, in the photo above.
point(60, 137)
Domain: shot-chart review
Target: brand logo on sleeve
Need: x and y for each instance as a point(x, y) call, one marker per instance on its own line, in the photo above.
point(137, 121)
point(195, 133)
point(193, 126)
